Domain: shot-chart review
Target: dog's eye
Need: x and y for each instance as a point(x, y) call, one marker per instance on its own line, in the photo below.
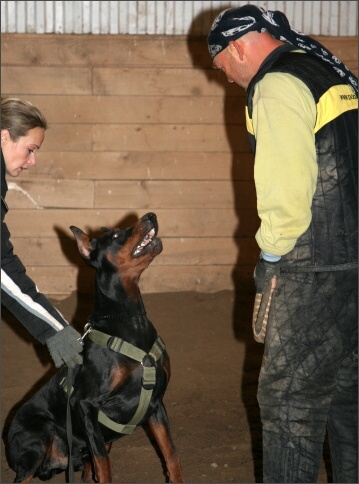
point(117, 234)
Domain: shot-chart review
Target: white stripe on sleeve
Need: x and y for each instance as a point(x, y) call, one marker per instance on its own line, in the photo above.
point(9, 286)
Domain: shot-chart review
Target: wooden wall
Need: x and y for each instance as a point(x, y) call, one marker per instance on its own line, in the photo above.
point(137, 124)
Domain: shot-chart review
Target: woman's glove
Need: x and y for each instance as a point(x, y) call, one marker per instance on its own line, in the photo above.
point(65, 347)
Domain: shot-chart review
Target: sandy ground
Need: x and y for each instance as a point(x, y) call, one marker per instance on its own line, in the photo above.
point(211, 398)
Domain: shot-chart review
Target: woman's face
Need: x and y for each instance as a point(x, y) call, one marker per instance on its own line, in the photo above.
point(20, 155)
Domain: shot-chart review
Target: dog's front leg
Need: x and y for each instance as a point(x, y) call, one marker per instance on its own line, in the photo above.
point(159, 426)
point(95, 442)
point(87, 473)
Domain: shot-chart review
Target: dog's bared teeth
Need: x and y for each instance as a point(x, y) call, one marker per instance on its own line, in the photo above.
point(147, 239)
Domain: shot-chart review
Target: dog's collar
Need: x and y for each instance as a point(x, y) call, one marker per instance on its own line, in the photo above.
point(91, 320)
point(96, 317)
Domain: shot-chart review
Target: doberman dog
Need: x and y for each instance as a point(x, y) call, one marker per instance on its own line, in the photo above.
point(123, 378)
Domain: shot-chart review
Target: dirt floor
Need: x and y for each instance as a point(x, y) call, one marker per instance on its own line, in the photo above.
point(211, 398)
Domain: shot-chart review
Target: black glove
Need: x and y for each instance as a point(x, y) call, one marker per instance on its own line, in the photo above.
point(65, 347)
point(263, 273)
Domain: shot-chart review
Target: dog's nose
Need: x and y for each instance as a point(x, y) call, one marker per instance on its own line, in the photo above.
point(152, 216)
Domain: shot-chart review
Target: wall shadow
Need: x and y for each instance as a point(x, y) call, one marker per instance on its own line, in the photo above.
point(234, 115)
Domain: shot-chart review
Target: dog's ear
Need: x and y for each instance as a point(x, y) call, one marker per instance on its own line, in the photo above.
point(83, 242)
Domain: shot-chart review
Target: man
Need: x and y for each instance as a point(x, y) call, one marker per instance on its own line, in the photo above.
point(301, 114)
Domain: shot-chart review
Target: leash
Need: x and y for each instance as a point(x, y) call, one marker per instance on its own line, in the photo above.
point(70, 467)
point(67, 383)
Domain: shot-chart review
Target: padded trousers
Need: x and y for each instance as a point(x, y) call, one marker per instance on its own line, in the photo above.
point(308, 383)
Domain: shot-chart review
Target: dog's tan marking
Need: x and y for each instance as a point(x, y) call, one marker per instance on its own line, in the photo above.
point(119, 375)
point(54, 455)
point(168, 451)
point(102, 469)
point(130, 268)
point(87, 473)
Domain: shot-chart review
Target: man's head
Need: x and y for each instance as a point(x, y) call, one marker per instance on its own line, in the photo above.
point(234, 23)
point(241, 60)
point(255, 27)
point(239, 42)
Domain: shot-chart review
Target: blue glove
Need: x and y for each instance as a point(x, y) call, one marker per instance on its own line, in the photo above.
point(65, 347)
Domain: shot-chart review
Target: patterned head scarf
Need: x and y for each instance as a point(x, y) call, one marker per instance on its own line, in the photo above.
point(232, 23)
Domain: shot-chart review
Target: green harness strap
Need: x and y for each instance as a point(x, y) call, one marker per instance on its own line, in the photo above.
point(148, 379)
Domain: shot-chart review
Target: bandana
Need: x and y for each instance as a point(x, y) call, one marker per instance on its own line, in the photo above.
point(232, 23)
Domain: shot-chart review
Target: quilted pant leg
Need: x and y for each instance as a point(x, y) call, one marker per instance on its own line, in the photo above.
point(343, 413)
point(306, 346)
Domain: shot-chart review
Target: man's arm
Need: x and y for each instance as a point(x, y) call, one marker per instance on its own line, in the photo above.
point(285, 170)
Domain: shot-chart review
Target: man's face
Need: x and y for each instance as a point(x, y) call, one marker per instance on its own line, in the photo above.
point(232, 64)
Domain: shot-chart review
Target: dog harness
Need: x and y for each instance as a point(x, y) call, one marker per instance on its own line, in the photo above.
point(148, 362)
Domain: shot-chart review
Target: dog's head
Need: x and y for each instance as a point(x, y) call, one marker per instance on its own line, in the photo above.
point(126, 251)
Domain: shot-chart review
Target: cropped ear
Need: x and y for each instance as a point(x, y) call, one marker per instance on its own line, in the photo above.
point(83, 242)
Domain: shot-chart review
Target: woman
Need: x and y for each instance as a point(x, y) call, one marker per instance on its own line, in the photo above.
point(22, 133)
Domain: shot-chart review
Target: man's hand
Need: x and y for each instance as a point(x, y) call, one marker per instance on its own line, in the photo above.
point(263, 274)
point(65, 347)
point(265, 280)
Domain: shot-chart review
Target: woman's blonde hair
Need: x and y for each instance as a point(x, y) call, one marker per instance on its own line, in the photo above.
point(18, 117)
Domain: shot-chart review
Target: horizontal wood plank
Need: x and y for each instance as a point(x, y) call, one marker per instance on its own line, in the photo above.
point(161, 81)
point(99, 50)
point(127, 50)
point(199, 251)
point(172, 222)
point(39, 194)
point(128, 195)
point(176, 137)
point(142, 165)
point(169, 138)
point(46, 80)
point(152, 194)
point(156, 279)
point(141, 109)
point(67, 137)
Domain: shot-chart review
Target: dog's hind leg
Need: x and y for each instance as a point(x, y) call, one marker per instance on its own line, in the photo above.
point(25, 462)
point(159, 426)
point(26, 480)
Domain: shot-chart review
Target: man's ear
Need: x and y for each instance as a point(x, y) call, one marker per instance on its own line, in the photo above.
point(237, 49)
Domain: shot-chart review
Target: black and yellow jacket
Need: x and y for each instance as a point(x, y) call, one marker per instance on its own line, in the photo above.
point(328, 236)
